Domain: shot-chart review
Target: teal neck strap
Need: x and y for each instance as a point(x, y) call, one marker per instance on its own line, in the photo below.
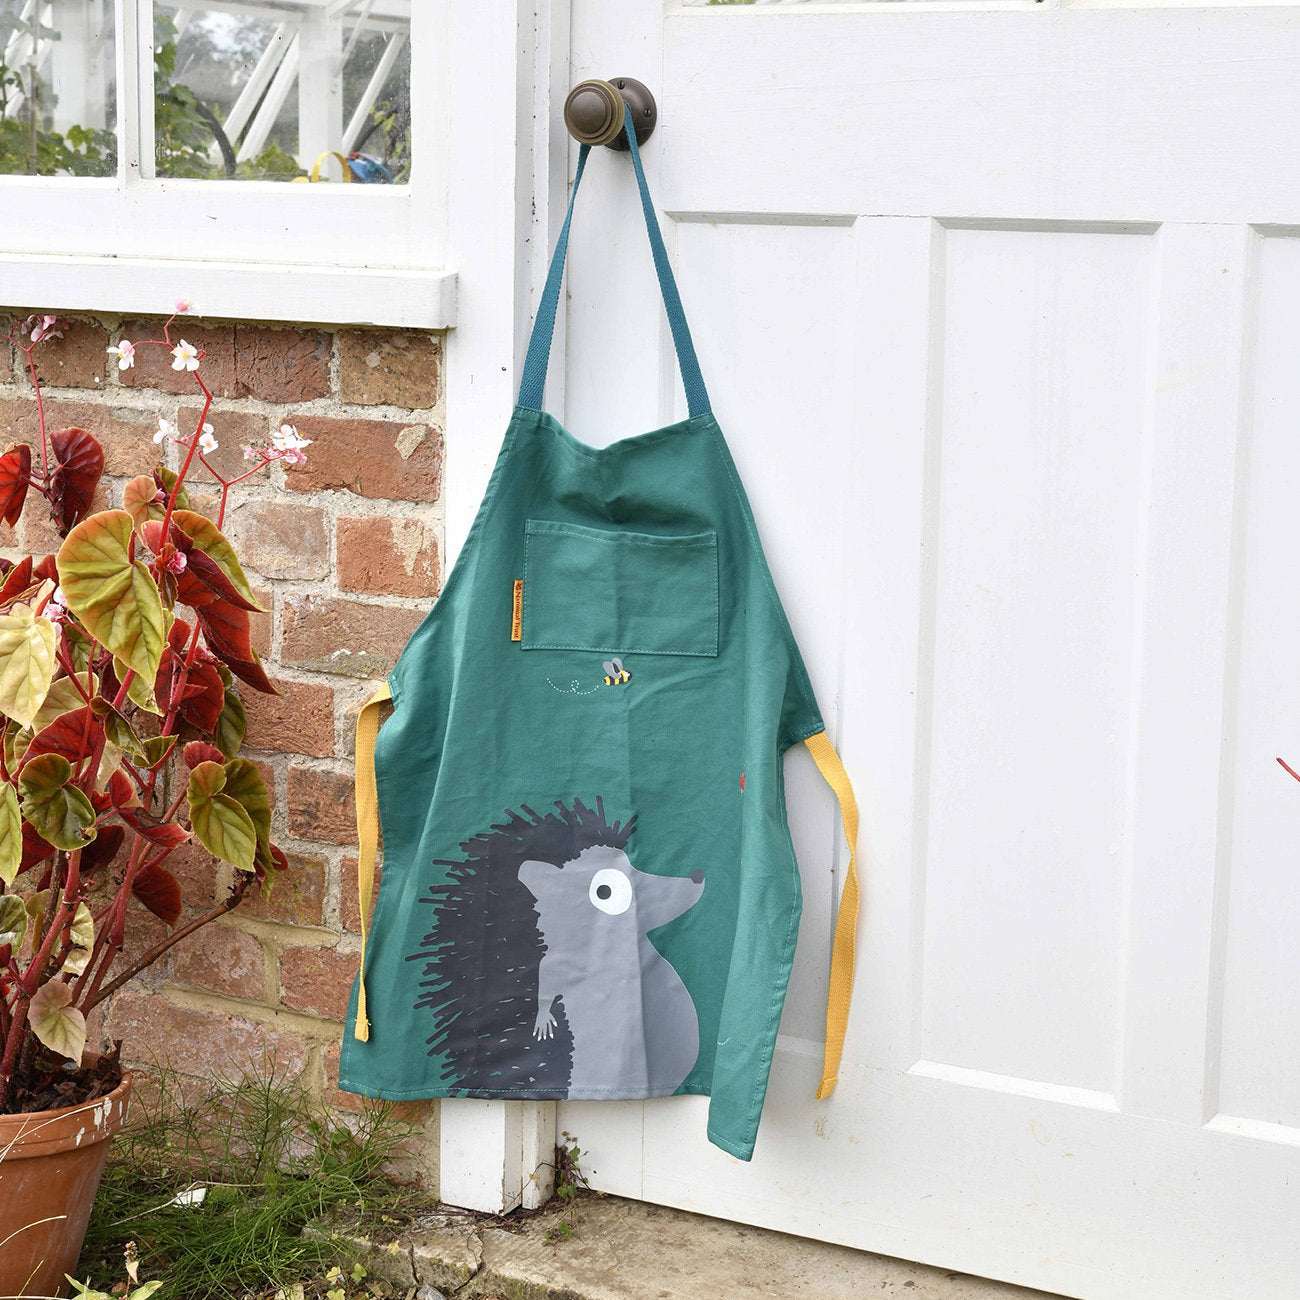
point(533, 384)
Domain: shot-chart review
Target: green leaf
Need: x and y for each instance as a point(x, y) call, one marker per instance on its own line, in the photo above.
point(13, 920)
point(58, 1024)
point(168, 478)
point(60, 812)
point(219, 821)
point(85, 1291)
point(113, 595)
point(26, 662)
point(245, 785)
point(143, 1292)
point(17, 739)
point(209, 539)
point(157, 748)
point(138, 500)
point(231, 725)
point(119, 730)
point(62, 697)
point(11, 834)
point(83, 927)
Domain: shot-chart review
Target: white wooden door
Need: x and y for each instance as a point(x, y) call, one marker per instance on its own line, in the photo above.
point(999, 307)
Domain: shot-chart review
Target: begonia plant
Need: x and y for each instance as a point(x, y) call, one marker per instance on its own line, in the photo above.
point(121, 661)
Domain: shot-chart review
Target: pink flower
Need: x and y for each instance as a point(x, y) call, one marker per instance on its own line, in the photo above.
point(187, 356)
point(125, 354)
point(177, 562)
point(183, 305)
point(42, 327)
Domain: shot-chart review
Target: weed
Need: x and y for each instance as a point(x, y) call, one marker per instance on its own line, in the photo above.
point(570, 1179)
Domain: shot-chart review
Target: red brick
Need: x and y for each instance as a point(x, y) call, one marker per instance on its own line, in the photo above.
point(277, 365)
point(348, 637)
point(126, 434)
point(143, 930)
point(372, 458)
point(300, 720)
point(297, 895)
point(378, 367)
point(222, 958)
point(282, 365)
point(233, 430)
point(393, 557)
point(261, 623)
point(321, 806)
point(36, 533)
point(317, 980)
point(203, 880)
point(349, 912)
point(77, 360)
point(279, 539)
point(196, 1041)
point(153, 364)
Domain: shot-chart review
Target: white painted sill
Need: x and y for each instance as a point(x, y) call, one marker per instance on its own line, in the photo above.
point(402, 297)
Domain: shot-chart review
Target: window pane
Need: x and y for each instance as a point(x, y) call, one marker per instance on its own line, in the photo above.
point(274, 89)
point(58, 102)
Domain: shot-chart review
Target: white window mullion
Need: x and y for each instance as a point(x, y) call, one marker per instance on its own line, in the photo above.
point(131, 33)
point(320, 87)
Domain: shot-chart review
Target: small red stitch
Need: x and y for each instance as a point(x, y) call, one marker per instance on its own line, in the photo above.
point(742, 782)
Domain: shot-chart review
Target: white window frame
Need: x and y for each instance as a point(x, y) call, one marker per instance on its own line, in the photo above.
point(264, 250)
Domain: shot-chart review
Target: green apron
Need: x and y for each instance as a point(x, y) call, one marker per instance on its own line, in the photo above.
point(589, 888)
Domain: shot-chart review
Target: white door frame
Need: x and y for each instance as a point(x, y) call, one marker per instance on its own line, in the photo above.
point(507, 185)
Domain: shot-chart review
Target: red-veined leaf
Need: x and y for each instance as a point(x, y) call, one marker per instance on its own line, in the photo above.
point(199, 751)
point(159, 891)
point(17, 580)
point(71, 734)
point(122, 791)
point(227, 631)
point(35, 849)
point(203, 697)
point(73, 483)
point(252, 673)
point(206, 540)
point(15, 474)
point(167, 835)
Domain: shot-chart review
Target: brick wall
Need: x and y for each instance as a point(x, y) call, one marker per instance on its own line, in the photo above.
point(346, 552)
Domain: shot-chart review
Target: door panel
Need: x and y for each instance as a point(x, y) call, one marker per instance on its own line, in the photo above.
point(998, 310)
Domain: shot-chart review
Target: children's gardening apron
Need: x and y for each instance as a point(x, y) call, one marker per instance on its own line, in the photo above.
point(589, 889)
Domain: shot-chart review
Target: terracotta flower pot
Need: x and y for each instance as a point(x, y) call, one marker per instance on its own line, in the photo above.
point(51, 1162)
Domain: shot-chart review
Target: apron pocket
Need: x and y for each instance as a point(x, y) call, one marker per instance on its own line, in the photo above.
point(621, 592)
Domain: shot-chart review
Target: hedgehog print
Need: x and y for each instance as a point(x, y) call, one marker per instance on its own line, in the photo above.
point(539, 975)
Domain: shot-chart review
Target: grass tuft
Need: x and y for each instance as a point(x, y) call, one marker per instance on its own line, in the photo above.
point(216, 1181)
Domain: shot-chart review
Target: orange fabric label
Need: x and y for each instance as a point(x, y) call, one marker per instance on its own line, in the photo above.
point(517, 619)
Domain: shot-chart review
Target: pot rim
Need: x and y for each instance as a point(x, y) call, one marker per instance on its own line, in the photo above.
point(18, 1140)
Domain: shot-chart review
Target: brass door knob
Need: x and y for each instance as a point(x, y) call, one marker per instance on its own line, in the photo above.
point(593, 111)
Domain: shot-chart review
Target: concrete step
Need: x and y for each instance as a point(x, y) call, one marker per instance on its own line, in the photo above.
point(606, 1248)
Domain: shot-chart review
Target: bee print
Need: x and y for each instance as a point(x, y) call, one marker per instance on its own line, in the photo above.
point(615, 673)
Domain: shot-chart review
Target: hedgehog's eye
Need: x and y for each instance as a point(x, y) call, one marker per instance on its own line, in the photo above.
point(611, 891)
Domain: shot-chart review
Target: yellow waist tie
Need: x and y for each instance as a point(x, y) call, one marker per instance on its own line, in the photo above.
point(846, 920)
point(367, 834)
